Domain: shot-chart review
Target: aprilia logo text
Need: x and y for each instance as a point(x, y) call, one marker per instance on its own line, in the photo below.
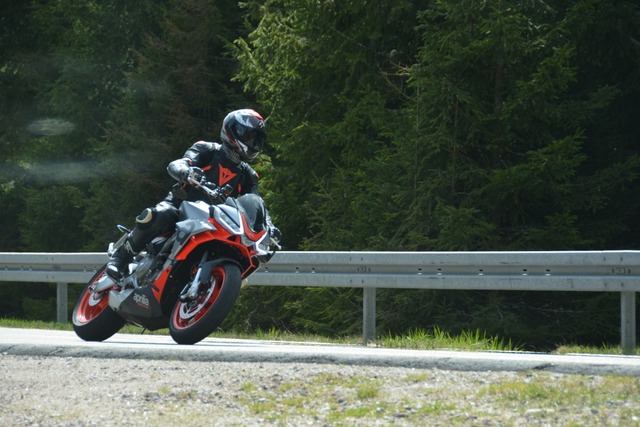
point(141, 300)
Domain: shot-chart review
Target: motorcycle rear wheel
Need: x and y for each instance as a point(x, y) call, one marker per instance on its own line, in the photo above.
point(193, 320)
point(93, 319)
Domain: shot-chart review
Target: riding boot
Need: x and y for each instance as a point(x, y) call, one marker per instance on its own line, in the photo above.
point(120, 260)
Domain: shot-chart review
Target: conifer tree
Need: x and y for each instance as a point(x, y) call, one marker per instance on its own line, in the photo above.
point(499, 129)
point(328, 74)
point(76, 71)
point(177, 93)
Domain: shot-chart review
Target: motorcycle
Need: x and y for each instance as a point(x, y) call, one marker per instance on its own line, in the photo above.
point(188, 281)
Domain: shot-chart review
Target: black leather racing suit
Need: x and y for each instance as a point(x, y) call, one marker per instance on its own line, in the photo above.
point(221, 166)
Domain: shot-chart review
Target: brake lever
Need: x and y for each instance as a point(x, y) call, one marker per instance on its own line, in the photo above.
point(214, 193)
point(203, 186)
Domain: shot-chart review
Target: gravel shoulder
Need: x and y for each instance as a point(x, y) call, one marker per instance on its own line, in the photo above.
point(76, 391)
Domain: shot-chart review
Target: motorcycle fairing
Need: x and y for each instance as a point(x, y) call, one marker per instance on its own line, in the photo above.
point(194, 210)
point(186, 229)
point(228, 217)
point(253, 236)
point(193, 232)
point(139, 306)
point(234, 221)
point(158, 285)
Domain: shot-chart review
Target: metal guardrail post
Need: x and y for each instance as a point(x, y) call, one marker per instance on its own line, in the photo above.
point(368, 314)
point(628, 322)
point(62, 298)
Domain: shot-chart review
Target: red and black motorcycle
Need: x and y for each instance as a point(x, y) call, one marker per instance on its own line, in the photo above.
point(188, 281)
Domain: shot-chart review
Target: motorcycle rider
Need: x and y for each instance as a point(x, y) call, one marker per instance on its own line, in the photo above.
point(243, 136)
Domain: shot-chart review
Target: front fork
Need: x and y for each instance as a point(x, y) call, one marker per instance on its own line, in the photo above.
point(190, 291)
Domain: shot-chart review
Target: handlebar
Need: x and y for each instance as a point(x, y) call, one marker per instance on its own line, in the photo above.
point(211, 189)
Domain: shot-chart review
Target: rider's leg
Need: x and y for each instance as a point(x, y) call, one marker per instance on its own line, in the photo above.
point(149, 224)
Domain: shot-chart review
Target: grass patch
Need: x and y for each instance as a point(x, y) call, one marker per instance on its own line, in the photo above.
point(34, 324)
point(580, 349)
point(164, 389)
point(262, 406)
point(367, 390)
point(436, 408)
point(568, 391)
point(248, 387)
point(521, 391)
point(419, 339)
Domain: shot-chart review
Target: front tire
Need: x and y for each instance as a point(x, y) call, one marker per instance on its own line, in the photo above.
point(193, 320)
point(93, 319)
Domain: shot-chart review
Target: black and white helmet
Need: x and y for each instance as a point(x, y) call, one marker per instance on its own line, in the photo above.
point(243, 132)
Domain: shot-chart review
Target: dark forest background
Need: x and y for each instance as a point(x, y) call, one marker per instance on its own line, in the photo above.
point(392, 125)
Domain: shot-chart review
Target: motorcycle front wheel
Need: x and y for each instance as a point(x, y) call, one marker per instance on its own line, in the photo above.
point(193, 320)
point(93, 319)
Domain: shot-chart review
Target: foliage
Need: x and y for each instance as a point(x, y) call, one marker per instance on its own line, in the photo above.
point(326, 71)
point(393, 125)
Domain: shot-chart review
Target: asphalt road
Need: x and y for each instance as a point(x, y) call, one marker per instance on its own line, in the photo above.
point(35, 342)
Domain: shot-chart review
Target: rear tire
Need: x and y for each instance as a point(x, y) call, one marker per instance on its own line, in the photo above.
point(93, 319)
point(192, 321)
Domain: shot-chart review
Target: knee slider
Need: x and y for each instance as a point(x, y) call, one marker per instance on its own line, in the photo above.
point(146, 218)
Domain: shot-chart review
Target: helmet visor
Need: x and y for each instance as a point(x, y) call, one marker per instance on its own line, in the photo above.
point(251, 138)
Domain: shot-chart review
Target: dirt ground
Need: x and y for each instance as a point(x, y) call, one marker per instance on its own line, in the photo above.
point(66, 391)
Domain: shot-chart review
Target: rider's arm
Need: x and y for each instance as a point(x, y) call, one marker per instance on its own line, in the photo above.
point(178, 169)
point(196, 155)
point(250, 182)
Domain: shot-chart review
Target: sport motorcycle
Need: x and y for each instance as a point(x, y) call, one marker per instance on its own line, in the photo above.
point(188, 281)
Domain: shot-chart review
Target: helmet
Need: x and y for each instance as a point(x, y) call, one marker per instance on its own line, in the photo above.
point(243, 132)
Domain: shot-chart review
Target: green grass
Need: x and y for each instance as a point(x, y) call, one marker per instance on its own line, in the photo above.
point(563, 391)
point(420, 339)
point(415, 339)
point(367, 390)
point(604, 349)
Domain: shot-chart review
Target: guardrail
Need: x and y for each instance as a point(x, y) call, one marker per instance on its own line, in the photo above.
point(586, 271)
